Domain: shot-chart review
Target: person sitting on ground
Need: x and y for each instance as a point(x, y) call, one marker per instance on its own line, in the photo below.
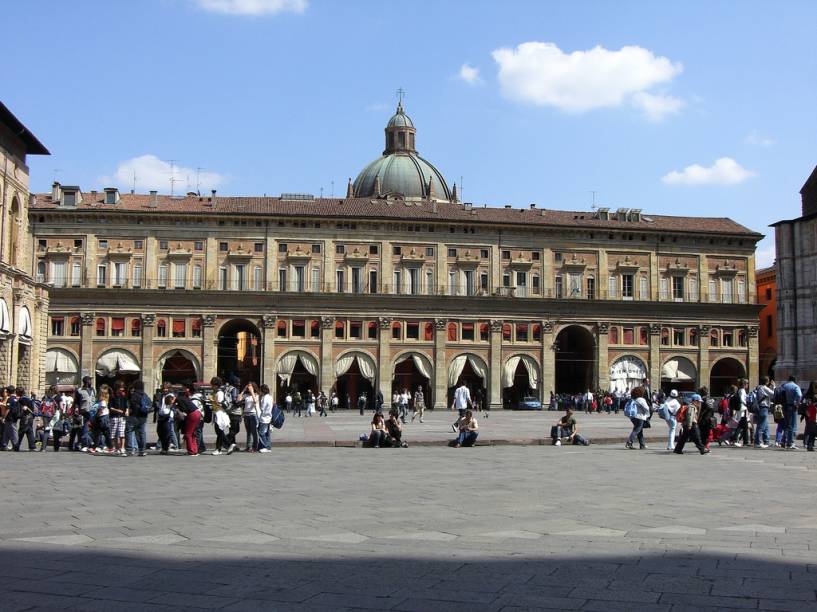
point(567, 428)
point(469, 430)
point(377, 437)
point(395, 429)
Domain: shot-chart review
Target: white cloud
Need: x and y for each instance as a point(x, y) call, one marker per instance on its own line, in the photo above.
point(656, 106)
point(252, 7)
point(755, 139)
point(377, 107)
point(154, 173)
point(765, 255)
point(540, 73)
point(470, 74)
point(725, 171)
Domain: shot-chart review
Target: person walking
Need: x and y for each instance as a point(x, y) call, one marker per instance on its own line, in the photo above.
point(333, 402)
point(361, 403)
point(139, 405)
point(221, 425)
point(288, 402)
point(310, 403)
point(763, 395)
point(250, 398)
point(706, 415)
point(740, 412)
point(265, 418)
point(403, 404)
point(638, 411)
point(689, 421)
point(298, 402)
point(25, 424)
point(670, 411)
point(419, 404)
point(192, 418)
point(461, 403)
point(810, 418)
point(322, 401)
point(792, 396)
point(118, 407)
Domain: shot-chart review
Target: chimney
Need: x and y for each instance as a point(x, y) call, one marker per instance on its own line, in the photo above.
point(56, 193)
point(532, 205)
point(154, 199)
point(349, 191)
point(213, 195)
point(454, 197)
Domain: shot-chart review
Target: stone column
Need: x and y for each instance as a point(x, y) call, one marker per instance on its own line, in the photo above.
point(209, 347)
point(268, 363)
point(270, 268)
point(703, 356)
point(384, 372)
point(548, 361)
point(211, 263)
point(150, 268)
point(90, 263)
point(603, 368)
point(86, 346)
point(602, 276)
point(327, 363)
point(495, 365)
point(752, 362)
point(386, 277)
point(148, 379)
point(655, 356)
point(440, 370)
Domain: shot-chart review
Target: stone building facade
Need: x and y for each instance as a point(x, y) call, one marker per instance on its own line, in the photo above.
point(767, 329)
point(796, 267)
point(23, 302)
point(397, 284)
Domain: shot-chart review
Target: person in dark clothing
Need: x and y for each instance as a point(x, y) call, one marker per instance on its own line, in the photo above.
point(394, 430)
point(361, 403)
point(706, 414)
point(192, 418)
point(379, 401)
point(25, 427)
point(135, 426)
point(690, 423)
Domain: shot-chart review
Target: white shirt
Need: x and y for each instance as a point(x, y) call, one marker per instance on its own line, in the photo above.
point(266, 409)
point(462, 398)
point(673, 406)
point(249, 404)
point(642, 409)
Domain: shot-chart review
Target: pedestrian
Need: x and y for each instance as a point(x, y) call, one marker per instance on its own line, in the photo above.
point(689, 420)
point(118, 408)
point(361, 403)
point(310, 403)
point(288, 402)
point(265, 418)
point(348, 402)
point(469, 430)
point(298, 402)
point(669, 411)
point(706, 416)
point(221, 425)
point(461, 403)
point(191, 419)
point(810, 418)
point(322, 401)
point(198, 399)
point(164, 421)
point(792, 396)
point(763, 396)
point(103, 441)
point(43, 426)
point(403, 404)
point(249, 396)
point(139, 405)
point(740, 413)
point(419, 404)
point(333, 402)
point(638, 411)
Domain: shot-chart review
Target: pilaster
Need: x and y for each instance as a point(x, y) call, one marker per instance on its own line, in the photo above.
point(754, 353)
point(440, 370)
point(211, 265)
point(329, 265)
point(548, 361)
point(603, 276)
point(384, 372)
point(703, 284)
point(90, 261)
point(496, 364)
point(270, 267)
point(496, 273)
point(327, 380)
point(703, 356)
point(209, 347)
point(603, 368)
point(548, 278)
point(86, 345)
point(269, 364)
point(654, 283)
point(655, 356)
point(150, 271)
point(148, 331)
point(386, 278)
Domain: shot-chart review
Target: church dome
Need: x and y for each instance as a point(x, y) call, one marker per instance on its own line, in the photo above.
point(400, 170)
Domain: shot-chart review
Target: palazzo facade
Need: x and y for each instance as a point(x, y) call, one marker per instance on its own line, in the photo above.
point(397, 284)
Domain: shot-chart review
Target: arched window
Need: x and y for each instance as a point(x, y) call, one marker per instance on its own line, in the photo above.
point(14, 221)
point(282, 329)
point(429, 331)
point(396, 330)
point(664, 336)
point(643, 336)
point(537, 332)
point(714, 338)
point(452, 332)
point(118, 326)
point(506, 332)
point(101, 327)
point(340, 329)
point(76, 326)
point(136, 328)
point(161, 328)
point(195, 327)
point(613, 335)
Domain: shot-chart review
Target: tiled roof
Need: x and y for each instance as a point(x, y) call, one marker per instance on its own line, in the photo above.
point(421, 211)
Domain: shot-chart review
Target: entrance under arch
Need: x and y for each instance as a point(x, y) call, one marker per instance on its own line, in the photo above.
point(575, 360)
point(297, 373)
point(178, 368)
point(239, 352)
point(471, 370)
point(410, 372)
point(352, 383)
point(116, 365)
point(627, 373)
point(724, 374)
point(61, 368)
point(679, 373)
point(519, 381)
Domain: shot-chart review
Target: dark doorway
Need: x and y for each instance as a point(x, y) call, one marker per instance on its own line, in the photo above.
point(724, 374)
point(239, 352)
point(178, 369)
point(407, 376)
point(351, 385)
point(575, 360)
point(301, 381)
point(475, 384)
point(512, 396)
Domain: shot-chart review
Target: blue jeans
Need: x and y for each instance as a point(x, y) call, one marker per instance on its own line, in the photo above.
point(264, 440)
point(135, 433)
point(251, 426)
point(762, 426)
point(467, 438)
point(637, 433)
point(790, 422)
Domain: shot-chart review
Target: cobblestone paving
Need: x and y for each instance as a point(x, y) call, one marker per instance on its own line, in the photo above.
point(505, 528)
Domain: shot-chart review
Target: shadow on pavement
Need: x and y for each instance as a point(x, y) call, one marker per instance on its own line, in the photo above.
point(94, 579)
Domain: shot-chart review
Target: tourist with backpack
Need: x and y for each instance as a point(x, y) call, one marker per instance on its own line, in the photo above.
point(139, 405)
point(669, 411)
point(688, 416)
point(638, 411)
point(792, 396)
point(265, 419)
point(738, 405)
point(763, 396)
point(249, 397)
point(706, 416)
point(118, 409)
point(191, 418)
point(25, 425)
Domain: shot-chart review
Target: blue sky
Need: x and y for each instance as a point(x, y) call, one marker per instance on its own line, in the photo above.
point(526, 101)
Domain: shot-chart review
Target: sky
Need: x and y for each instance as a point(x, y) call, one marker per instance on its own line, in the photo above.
point(677, 107)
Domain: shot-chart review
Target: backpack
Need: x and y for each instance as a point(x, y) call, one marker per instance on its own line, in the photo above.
point(778, 413)
point(753, 401)
point(734, 403)
point(630, 409)
point(207, 406)
point(47, 408)
point(681, 415)
point(140, 407)
point(663, 411)
point(723, 406)
point(277, 417)
point(14, 410)
point(229, 402)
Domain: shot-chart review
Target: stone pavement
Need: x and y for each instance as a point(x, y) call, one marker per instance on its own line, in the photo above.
point(502, 528)
point(344, 428)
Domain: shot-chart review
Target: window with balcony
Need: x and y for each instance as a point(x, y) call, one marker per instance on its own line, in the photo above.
point(340, 280)
point(357, 279)
point(726, 290)
point(398, 282)
point(101, 275)
point(58, 273)
point(120, 274)
point(76, 274)
point(559, 287)
point(644, 290)
point(430, 282)
point(535, 284)
point(137, 275)
point(41, 271)
point(282, 279)
point(162, 282)
point(316, 279)
point(470, 285)
point(627, 290)
point(612, 288)
point(197, 276)
point(678, 288)
point(240, 277)
point(372, 281)
point(257, 278)
point(521, 284)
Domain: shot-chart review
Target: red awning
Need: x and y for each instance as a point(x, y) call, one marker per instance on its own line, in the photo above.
point(196, 324)
point(178, 326)
point(117, 324)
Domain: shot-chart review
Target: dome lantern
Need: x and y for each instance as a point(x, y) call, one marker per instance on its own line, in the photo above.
point(400, 132)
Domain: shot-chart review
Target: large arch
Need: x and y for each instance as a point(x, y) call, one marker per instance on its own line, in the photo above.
point(61, 367)
point(473, 371)
point(519, 379)
point(412, 370)
point(355, 374)
point(25, 329)
point(626, 373)
point(5, 318)
point(575, 360)
point(297, 371)
point(116, 364)
point(725, 372)
point(679, 373)
point(177, 366)
point(239, 351)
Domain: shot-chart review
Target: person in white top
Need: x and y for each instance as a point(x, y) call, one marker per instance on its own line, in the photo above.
point(462, 402)
point(640, 411)
point(250, 398)
point(672, 406)
point(741, 415)
point(264, 420)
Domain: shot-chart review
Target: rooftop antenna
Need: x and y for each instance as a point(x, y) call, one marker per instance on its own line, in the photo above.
point(56, 172)
point(593, 205)
point(198, 181)
point(173, 178)
point(133, 190)
point(333, 190)
point(173, 181)
point(321, 193)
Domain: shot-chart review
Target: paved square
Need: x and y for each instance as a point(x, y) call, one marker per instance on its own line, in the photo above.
point(425, 528)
